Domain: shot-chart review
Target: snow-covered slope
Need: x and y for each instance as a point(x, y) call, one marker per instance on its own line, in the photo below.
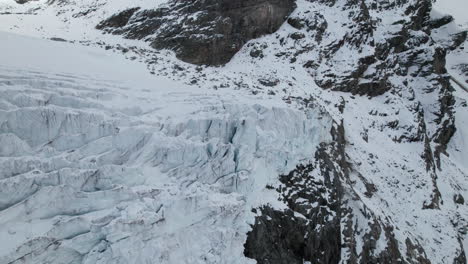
point(340, 138)
point(455, 8)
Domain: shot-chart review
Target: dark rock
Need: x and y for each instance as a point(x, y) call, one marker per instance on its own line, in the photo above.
point(212, 37)
point(437, 23)
point(439, 61)
point(463, 68)
point(118, 20)
point(178, 67)
point(82, 13)
point(269, 82)
point(23, 1)
point(297, 35)
point(297, 23)
point(311, 22)
point(458, 39)
point(445, 116)
point(256, 53)
point(283, 236)
point(277, 237)
point(419, 12)
point(459, 199)
point(461, 256)
point(415, 253)
point(355, 82)
point(319, 222)
point(391, 254)
point(311, 64)
point(58, 39)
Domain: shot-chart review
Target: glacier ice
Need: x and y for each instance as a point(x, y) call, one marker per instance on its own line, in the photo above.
point(82, 178)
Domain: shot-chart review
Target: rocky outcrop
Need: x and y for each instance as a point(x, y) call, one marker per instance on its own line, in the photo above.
point(201, 32)
point(309, 230)
point(23, 1)
point(119, 20)
point(321, 222)
point(437, 23)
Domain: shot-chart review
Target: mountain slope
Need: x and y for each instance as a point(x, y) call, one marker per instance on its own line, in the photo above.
point(338, 137)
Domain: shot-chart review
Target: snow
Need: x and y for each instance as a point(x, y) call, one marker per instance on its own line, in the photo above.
point(455, 8)
point(100, 156)
point(101, 161)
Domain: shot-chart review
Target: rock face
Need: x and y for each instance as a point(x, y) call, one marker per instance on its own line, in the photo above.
point(309, 230)
point(23, 1)
point(320, 223)
point(327, 220)
point(202, 32)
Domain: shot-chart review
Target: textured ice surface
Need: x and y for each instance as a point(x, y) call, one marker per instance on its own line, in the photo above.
point(99, 169)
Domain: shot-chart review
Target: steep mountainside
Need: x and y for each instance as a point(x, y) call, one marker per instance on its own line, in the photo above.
point(249, 131)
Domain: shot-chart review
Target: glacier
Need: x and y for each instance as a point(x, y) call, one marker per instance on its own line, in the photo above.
point(92, 167)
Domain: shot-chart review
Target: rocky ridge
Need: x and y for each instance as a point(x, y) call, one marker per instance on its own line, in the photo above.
point(201, 32)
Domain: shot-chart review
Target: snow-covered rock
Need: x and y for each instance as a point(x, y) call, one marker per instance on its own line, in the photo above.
point(339, 138)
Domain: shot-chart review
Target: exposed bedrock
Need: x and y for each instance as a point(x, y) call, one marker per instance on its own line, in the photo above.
point(23, 1)
point(326, 221)
point(201, 32)
point(309, 230)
